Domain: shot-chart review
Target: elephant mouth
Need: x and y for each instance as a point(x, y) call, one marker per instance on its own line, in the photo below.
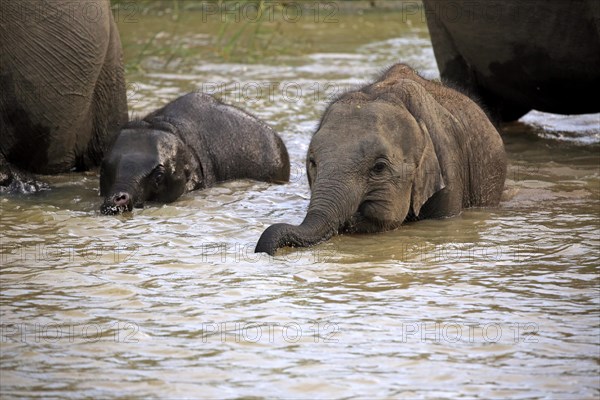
point(117, 204)
point(360, 222)
point(368, 218)
point(112, 209)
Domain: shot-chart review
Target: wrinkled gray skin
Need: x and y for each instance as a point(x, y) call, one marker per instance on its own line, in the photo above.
point(400, 149)
point(192, 143)
point(62, 87)
point(519, 55)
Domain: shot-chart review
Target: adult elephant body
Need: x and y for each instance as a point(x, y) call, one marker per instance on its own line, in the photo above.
point(518, 55)
point(62, 86)
point(400, 149)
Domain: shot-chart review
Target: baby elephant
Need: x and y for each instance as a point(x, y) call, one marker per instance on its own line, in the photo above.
point(401, 149)
point(191, 143)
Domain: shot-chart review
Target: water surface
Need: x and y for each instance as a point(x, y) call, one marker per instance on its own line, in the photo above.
point(172, 302)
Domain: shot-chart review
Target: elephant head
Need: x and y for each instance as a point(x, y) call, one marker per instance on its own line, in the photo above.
point(147, 162)
point(371, 165)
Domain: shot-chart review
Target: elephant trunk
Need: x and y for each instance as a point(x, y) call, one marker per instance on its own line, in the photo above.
point(120, 197)
point(331, 204)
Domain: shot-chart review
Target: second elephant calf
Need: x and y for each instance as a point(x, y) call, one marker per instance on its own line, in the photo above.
point(191, 143)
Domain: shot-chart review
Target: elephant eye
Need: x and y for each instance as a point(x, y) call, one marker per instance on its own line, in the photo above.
point(159, 174)
point(312, 163)
point(379, 167)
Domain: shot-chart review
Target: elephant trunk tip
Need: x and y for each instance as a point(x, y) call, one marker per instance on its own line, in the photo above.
point(272, 239)
point(283, 235)
point(117, 203)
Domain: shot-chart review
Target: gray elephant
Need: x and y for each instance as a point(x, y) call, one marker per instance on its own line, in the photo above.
point(400, 149)
point(518, 55)
point(191, 143)
point(62, 87)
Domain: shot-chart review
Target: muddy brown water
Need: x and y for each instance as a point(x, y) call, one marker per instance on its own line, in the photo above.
point(172, 302)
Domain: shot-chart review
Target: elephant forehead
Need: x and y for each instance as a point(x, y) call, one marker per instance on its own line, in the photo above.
point(135, 140)
point(133, 166)
point(136, 154)
point(365, 147)
point(152, 143)
point(137, 161)
point(368, 116)
point(361, 110)
point(367, 127)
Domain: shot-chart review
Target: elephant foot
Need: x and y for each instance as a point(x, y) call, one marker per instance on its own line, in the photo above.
point(18, 186)
point(14, 181)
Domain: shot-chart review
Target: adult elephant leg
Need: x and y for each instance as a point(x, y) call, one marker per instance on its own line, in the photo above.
point(497, 108)
point(510, 112)
point(451, 64)
point(53, 70)
point(109, 101)
point(456, 71)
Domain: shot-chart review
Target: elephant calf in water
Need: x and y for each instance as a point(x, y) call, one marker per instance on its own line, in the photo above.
point(191, 143)
point(400, 149)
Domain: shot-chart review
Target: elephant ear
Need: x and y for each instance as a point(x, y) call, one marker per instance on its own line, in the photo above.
point(428, 177)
